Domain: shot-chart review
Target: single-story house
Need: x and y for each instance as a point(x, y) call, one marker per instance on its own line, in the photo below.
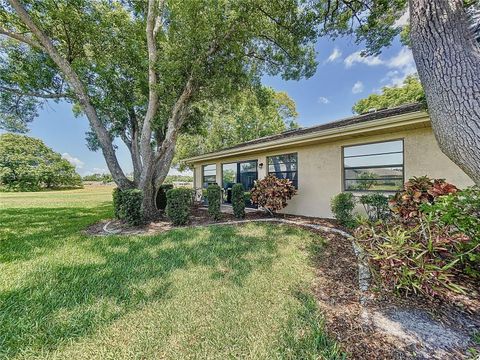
point(376, 151)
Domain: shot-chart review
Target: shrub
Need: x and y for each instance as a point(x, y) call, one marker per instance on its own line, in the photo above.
point(178, 205)
point(342, 206)
point(418, 191)
point(272, 193)
point(376, 206)
point(161, 199)
point(414, 259)
point(460, 212)
point(214, 194)
point(238, 201)
point(127, 205)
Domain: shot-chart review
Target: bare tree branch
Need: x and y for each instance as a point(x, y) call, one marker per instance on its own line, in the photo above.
point(21, 38)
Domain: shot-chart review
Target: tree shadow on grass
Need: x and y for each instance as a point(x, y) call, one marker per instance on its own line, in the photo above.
point(29, 232)
point(63, 301)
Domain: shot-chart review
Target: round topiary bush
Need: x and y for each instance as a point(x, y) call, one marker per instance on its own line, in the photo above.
point(179, 203)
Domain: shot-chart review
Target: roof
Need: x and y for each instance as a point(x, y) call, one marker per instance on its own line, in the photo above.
point(343, 123)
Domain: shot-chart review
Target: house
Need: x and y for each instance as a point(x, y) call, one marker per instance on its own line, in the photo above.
point(376, 151)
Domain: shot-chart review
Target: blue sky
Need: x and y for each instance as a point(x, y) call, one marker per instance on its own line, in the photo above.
point(342, 78)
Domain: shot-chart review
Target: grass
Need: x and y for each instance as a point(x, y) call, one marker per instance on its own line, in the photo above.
point(216, 292)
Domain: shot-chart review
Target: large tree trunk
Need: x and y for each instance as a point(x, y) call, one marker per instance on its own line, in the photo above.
point(448, 62)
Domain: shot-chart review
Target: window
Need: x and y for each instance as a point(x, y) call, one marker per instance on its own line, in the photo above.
point(229, 175)
point(209, 175)
point(284, 167)
point(247, 174)
point(373, 167)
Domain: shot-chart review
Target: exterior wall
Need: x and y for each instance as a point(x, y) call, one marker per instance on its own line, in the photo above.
point(320, 167)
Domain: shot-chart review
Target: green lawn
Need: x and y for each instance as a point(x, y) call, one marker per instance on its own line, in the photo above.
point(217, 292)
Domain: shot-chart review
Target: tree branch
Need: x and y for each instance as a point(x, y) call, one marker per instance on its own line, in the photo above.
point(34, 94)
point(81, 94)
point(21, 38)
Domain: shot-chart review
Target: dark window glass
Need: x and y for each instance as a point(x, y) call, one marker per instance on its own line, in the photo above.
point(284, 167)
point(209, 175)
point(374, 167)
point(248, 174)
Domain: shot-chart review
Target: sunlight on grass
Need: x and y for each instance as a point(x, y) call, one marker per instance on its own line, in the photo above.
point(215, 292)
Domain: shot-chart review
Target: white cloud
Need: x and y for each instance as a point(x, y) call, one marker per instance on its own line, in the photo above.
point(402, 65)
point(336, 54)
point(357, 57)
point(403, 20)
point(323, 100)
point(73, 160)
point(357, 87)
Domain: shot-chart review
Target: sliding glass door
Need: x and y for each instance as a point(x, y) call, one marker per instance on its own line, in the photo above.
point(244, 172)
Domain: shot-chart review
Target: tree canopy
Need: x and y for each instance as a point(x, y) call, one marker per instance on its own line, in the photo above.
point(410, 92)
point(27, 164)
point(250, 114)
point(141, 70)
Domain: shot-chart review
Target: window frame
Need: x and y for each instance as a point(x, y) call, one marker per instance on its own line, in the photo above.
point(274, 172)
point(203, 174)
point(344, 180)
point(238, 166)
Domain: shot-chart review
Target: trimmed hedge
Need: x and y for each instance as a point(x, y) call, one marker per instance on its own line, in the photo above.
point(127, 205)
point(179, 202)
point(161, 199)
point(214, 194)
point(342, 206)
point(238, 201)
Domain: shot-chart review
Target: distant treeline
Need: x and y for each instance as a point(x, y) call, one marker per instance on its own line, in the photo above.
point(107, 178)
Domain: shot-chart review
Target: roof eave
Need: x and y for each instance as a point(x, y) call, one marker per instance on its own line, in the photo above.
point(383, 123)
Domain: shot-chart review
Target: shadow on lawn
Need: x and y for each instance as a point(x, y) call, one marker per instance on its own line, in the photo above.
point(62, 301)
point(31, 232)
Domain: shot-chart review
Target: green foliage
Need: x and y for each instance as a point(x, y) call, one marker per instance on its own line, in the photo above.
point(27, 164)
point(415, 259)
point(342, 206)
point(127, 205)
point(170, 179)
point(104, 178)
point(238, 201)
point(460, 213)
point(248, 115)
point(179, 202)
point(376, 206)
point(417, 191)
point(410, 92)
point(272, 193)
point(214, 194)
point(161, 200)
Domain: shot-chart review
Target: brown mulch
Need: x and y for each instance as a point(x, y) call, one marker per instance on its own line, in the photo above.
point(199, 216)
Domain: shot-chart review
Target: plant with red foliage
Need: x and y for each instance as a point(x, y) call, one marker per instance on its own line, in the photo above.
point(272, 193)
point(417, 191)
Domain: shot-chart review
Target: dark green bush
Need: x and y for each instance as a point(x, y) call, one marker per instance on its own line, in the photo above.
point(161, 199)
point(238, 201)
point(127, 205)
point(179, 202)
point(214, 193)
point(342, 206)
point(376, 206)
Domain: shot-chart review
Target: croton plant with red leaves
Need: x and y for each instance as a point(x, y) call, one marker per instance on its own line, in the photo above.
point(272, 193)
point(418, 191)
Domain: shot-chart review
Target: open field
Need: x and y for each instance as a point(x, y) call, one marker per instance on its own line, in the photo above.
point(217, 292)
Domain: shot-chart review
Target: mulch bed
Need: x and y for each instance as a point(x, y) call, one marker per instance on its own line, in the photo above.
point(199, 216)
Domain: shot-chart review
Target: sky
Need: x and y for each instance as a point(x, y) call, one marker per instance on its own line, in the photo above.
point(342, 78)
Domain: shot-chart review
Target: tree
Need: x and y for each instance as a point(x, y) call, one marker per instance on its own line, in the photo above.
point(410, 92)
point(443, 35)
point(27, 164)
point(250, 114)
point(138, 69)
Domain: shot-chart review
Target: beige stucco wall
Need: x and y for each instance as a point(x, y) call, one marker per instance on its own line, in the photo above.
point(320, 167)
